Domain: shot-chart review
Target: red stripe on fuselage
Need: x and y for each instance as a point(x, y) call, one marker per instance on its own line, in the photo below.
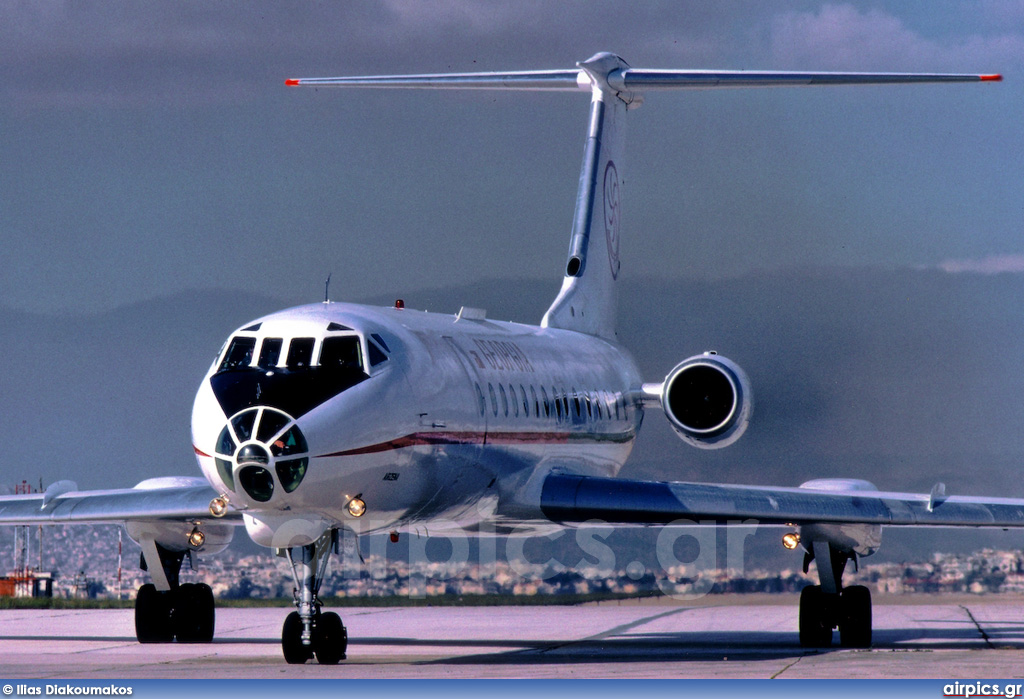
point(440, 438)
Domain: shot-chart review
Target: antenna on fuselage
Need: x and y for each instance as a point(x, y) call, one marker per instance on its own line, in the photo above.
point(327, 289)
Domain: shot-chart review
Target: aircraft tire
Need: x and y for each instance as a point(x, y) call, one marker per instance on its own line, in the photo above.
point(330, 639)
point(855, 624)
point(153, 615)
point(194, 614)
point(291, 641)
point(814, 633)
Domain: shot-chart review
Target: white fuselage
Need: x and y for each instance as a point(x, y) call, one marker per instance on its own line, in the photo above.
point(423, 417)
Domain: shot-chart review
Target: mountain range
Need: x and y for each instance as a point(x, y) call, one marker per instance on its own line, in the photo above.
point(902, 377)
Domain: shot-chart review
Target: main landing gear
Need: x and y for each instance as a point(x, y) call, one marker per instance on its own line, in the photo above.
point(309, 631)
point(829, 605)
point(183, 612)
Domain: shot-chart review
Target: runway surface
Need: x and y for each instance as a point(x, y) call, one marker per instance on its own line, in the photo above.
point(737, 637)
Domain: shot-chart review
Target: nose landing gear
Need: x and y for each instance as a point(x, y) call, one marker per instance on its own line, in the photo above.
point(309, 631)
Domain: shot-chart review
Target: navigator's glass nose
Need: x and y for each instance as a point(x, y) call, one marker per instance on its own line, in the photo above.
point(262, 449)
point(252, 454)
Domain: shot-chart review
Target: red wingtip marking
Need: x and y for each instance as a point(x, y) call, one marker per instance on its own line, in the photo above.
point(294, 81)
point(992, 78)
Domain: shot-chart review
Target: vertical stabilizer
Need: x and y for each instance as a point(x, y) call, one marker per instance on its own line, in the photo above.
point(587, 301)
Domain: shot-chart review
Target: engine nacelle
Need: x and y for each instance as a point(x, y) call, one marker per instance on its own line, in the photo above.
point(708, 400)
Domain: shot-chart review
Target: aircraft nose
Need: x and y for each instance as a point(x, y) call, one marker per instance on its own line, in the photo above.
point(253, 454)
point(262, 451)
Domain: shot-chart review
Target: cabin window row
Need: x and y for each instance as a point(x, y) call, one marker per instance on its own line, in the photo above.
point(506, 400)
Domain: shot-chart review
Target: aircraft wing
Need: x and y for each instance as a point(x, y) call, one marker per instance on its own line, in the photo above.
point(570, 498)
point(170, 499)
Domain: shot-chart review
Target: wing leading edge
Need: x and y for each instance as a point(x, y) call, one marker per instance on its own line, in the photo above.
point(179, 499)
point(568, 499)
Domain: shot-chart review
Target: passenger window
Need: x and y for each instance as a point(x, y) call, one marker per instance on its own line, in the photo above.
point(239, 354)
point(480, 398)
point(341, 353)
point(558, 405)
point(300, 352)
point(494, 400)
point(547, 406)
point(514, 398)
point(526, 403)
point(270, 352)
point(504, 399)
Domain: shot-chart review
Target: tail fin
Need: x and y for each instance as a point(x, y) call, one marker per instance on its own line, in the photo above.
point(587, 300)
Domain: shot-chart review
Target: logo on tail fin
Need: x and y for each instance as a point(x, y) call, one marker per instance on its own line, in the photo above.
point(612, 215)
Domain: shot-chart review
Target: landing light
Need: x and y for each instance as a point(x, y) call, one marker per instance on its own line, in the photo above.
point(356, 507)
point(219, 506)
point(791, 540)
point(196, 538)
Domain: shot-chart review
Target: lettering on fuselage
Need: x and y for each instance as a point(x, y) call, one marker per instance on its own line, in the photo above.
point(500, 356)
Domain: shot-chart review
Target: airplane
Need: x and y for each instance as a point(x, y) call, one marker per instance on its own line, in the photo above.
point(335, 417)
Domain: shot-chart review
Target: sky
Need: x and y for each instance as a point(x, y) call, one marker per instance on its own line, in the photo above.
point(151, 148)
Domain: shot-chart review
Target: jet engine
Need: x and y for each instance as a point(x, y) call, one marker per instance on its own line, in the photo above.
point(707, 399)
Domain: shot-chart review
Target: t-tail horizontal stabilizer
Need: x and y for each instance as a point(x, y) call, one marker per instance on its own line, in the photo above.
point(587, 299)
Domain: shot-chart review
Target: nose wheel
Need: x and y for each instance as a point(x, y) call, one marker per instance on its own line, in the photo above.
point(309, 632)
point(330, 639)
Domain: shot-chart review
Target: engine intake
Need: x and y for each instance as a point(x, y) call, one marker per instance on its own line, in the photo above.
point(708, 401)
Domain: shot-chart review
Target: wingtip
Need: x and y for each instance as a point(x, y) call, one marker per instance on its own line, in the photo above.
point(291, 82)
point(994, 78)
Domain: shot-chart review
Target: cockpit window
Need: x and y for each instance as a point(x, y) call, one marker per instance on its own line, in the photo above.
point(342, 353)
point(376, 355)
point(270, 353)
point(239, 354)
point(290, 374)
point(300, 352)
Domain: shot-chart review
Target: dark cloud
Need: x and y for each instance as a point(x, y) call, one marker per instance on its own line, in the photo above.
point(152, 146)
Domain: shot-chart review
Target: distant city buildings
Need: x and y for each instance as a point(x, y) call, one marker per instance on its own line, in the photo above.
point(84, 561)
